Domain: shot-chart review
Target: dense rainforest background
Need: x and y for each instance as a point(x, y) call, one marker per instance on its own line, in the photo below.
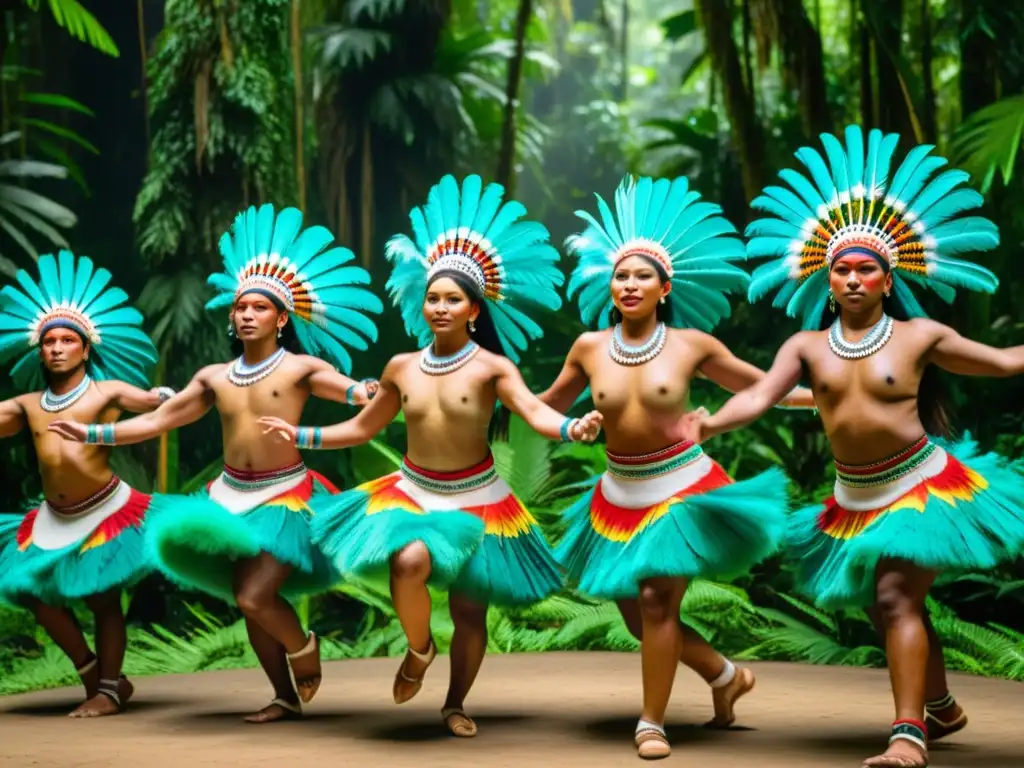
point(134, 132)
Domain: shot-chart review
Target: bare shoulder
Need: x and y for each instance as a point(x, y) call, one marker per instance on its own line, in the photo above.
point(209, 374)
point(306, 364)
point(805, 342)
point(692, 338)
point(397, 365)
point(587, 343)
point(499, 365)
point(924, 328)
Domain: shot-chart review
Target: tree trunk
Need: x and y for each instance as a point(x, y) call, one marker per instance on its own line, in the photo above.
point(300, 144)
point(868, 113)
point(366, 201)
point(144, 85)
point(893, 110)
point(747, 134)
point(931, 128)
point(624, 52)
point(507, 154)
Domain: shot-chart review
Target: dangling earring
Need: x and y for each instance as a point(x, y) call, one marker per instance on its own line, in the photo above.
point(472, 328)
point(661, 300)
point(831, 301)
point(886, 292)
point(279, 333)
point(231, 330)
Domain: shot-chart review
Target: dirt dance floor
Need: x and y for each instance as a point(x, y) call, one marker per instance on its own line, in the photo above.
point(554, 709)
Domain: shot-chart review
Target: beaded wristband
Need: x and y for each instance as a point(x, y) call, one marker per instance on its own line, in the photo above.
point(99, 434)
point(566, 430)
point(165, 393)
point(309, 437)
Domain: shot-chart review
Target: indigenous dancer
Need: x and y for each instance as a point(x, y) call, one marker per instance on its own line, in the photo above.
point(446, 518)
point(84, 542)
point(847, 248)
point(246, 538)
point(663, 513)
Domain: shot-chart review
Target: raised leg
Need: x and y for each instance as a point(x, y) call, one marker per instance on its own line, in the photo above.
point(660, 650)
point(410, 570)
point(257, 587)
point(469, 644)
point(901, 589)
point(111, 640)
point(728, 682)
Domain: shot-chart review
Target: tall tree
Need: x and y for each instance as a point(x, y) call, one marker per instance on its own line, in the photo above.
point(507, 153)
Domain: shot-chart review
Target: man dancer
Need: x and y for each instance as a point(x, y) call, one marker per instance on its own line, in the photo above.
point(246, 539)
point(84, 542)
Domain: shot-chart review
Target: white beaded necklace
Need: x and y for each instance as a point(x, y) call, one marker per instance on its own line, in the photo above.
point(624, 353)
point(241, 374)
point(433, 365)
point(52, 403)
point(873, 340)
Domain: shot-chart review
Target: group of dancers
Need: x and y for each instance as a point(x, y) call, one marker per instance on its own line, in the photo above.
point(845, 247)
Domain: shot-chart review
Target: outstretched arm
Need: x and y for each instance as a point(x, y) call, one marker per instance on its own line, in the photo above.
point(743, 408)
point(12, 418)
point(734, 375)
point(358, 430)
point(125, 397)
point(328, 384)
point(187, 406)
point(545, 420)
point(571, 381)
point(956, 354)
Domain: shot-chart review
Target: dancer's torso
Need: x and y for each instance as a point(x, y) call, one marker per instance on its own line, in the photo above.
point(642, 404)
point(282, 394)
point(447, 417)
point(869, 406)
point(71, 472)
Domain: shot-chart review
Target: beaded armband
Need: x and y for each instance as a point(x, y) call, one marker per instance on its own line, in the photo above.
point(165, 393)
point(566, 430)
point(308, 437)
point(99, 434)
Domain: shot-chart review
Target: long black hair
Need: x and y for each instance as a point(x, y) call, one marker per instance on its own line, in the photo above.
point(486, 335)
point(663, 311)
point(933, 404)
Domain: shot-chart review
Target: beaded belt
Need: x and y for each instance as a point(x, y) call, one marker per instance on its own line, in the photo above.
point(242, 480)
point(96, 499)
point(648, 465)
point(886, 470)
point(462, 481)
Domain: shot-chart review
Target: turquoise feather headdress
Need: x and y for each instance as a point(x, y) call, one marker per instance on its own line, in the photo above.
point(910, 222)
point(664, 221)
point(73, 294)
point(471, 231)
point(265, 253)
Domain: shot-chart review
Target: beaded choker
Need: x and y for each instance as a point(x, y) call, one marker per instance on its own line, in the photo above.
point(873, 340)
point(242, 374)
point(624, 353)
point(434, 365)
point(52, 403)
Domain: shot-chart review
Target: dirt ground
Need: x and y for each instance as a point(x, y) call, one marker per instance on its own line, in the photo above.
point(554, 709)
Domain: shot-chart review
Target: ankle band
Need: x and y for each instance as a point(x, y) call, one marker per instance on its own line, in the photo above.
point(647, 725)
point(109, 689)
point(914, 731)
point(309, 647)
point(727, 676)
point(88, 667)
point(938, 705)
point(426, 656)
point(294, 708)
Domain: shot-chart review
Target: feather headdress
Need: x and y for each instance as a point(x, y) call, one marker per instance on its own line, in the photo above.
point(266, 252)
point(667, 222)
point(911, 222)
point(72, 293)
point(472, 230)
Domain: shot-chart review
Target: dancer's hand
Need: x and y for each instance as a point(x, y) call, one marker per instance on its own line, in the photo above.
point(68, 429)
point(691, 426)
point(279, 428)
point(587, 428)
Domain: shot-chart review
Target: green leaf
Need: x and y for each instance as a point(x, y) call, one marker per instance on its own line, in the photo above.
point(82, 25)
point(56, 100)
point(62, 132)
point(990, 140)
point(679, 26)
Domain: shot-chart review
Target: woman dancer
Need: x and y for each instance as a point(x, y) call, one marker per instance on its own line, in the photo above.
point(846, 250)
point(87, 352)
point(663, 513)
point(446, 518)
point(246, 538)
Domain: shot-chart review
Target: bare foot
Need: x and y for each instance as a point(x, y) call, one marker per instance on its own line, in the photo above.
point(458, 722)
point(651, 743)
point(900, 754)
point(278, 709)
point(305, 666)
point(946, 721)
point(99, 705)
point(409, 678)
point(725, 698)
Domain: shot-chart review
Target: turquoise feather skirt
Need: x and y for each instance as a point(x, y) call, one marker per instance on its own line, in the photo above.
point(673, 514)
point(107, 556)
point(954, 511)
point(197, 542)
point(483, 542)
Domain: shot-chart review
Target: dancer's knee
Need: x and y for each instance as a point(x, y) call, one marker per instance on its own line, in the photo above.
point(656, 604)
point(893, 602)
point(252, 597)
point(465, 612)
point(412, 563)
point(104, 604)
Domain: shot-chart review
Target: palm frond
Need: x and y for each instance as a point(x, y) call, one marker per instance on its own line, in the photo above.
point(989, 141)
point(80, 24)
